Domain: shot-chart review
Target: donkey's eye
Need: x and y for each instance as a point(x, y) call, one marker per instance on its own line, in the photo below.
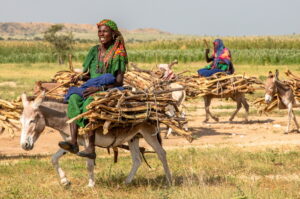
point(31, 121)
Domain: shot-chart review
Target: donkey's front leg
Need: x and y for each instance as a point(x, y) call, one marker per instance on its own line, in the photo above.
point(207, 101)
point(90, 163)
point(290, 112)
point(55, 162)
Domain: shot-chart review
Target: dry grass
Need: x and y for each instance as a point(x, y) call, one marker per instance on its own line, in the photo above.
point(197, 173)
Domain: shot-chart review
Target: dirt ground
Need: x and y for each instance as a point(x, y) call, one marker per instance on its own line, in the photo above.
point(259, 132)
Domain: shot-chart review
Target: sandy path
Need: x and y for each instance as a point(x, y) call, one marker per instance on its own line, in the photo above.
point(260, 132)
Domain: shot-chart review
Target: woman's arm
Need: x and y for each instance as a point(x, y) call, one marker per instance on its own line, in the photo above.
point(119, 82)
point(208, 59)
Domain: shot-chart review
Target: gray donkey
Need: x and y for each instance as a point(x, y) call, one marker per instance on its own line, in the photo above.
point(285, 95)
point(42, 112)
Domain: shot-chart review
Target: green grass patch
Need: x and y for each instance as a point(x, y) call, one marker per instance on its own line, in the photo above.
point(24, 77)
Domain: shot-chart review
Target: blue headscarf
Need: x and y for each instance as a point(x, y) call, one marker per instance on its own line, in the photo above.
point(220, 53)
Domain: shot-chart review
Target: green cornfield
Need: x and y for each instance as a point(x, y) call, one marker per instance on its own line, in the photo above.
point(263, 50)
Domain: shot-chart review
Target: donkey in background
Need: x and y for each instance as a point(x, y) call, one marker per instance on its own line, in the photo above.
point(285, 96)
point(178, 96)
point(239, 97)
point(43, 112)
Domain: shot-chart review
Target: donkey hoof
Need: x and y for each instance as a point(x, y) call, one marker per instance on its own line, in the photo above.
point(65, 182)
point(216, 119)
point(205, 121)
point(91, 185)
point(127, 181)
point(245, 121)
point(286, 132)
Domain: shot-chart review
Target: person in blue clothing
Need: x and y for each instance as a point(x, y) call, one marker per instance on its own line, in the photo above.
point(221, 60)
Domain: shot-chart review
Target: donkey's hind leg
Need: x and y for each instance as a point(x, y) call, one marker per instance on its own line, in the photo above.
point(246, 106)
point(136, 158)
point(295, 120)
point(238, 107)
point(290, 114)
point(55, 162)
point(153, 141)
point(240, 100)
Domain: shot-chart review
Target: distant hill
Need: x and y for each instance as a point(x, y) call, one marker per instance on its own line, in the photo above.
point(82, 31)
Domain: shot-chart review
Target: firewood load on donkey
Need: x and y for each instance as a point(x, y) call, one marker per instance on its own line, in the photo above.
point(162, 79)
point(42, 112)
point(179, 96)
point(220, 85)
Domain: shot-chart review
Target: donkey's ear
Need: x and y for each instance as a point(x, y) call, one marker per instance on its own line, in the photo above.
point(25, 101)
point(173, 63)
point(38, 100)
point(271, 74)
point(276, 74)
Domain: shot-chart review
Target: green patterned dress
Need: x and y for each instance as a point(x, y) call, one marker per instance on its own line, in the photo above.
point(76, 104)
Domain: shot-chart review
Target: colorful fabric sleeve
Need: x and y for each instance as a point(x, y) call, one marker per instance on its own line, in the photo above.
point(208, 66)
point(119, 62)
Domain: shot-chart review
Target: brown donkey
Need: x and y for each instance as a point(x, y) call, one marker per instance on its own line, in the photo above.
point(237, 96)
point(285, 96)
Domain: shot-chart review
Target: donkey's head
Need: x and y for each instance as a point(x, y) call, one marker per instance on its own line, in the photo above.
point(270, 86)
point(168, 73)
point(32, 121)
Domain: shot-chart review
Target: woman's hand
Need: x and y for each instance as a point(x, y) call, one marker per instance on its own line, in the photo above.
point(89, 91)
point(207, 51)
point(75, 79)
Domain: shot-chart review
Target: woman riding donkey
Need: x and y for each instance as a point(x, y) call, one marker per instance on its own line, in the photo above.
point(106, 64)
point(221, 60)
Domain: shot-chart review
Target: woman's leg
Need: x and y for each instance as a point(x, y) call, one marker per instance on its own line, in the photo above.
point(74, 108)
point(89, 152)
point(202, 72)
point(208, 72)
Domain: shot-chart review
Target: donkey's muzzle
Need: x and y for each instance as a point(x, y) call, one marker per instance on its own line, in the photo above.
point(268, 98)
point(27, 146)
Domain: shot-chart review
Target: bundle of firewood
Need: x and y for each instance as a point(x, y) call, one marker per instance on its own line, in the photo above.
point(294, 83)
point(263, 107)
point(117, 108)
point(143, 79)
point(59, 84)
point(9, 116)
point(219, 84)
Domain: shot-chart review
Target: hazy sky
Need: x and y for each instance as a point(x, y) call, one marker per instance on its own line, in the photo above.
point(198, 17)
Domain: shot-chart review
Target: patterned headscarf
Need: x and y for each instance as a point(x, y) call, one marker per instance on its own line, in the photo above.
point(220, 53)
point(109, 23)
point(119, 44)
